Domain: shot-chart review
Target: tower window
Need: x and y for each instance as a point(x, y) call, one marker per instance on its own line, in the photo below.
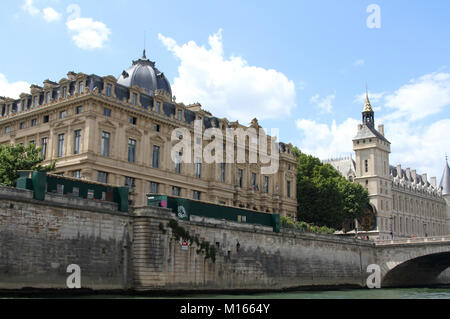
point(366, 166)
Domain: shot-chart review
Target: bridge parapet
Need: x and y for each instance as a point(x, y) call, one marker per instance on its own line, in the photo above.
point(419, 240)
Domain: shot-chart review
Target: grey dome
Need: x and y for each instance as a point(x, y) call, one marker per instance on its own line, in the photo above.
point(144, 74)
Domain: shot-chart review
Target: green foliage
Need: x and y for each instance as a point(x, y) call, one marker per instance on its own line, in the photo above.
point(303, 226)
point(14, 158)
point(203, 246)
point(325, 197)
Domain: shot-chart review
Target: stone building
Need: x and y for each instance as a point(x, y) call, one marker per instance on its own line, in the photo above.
point(118, 131)
point(403, 203)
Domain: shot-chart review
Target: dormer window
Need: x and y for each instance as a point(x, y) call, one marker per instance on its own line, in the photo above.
point(134, 99)
point(108, 89)
point(179, 115)
point(80, 87)
point(158, 107)
point(64, 92)
point(35, 101)
point(47, 97)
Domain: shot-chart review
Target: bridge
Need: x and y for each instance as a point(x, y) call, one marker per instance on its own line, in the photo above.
point(413, 261)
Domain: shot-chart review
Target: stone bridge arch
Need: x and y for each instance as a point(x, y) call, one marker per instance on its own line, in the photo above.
point(413, 262)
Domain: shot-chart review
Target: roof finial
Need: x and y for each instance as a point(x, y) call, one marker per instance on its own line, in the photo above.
point(144, 57)
point(367, 106)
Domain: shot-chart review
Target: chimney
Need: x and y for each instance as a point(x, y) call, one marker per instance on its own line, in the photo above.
point(381, 129)
point(424, 178)
point(399, 171)
point(408, 173)
point(414, 175)
point(433, 181)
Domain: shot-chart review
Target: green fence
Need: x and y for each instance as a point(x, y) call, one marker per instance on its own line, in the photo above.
point(41, 183)
point(184, 208)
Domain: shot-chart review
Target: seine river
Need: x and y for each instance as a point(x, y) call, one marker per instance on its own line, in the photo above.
point(395, 293)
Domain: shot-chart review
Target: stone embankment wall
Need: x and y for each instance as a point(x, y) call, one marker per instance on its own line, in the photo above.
point(39, 239)
point(139, 250)
point(247, 257)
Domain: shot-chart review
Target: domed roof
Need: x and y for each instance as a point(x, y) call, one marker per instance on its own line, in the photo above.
point(144, 74)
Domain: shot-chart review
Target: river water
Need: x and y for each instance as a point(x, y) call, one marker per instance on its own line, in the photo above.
point(394, 293)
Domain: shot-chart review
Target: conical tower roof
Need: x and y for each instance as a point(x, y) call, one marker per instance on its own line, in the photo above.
point(445, 181)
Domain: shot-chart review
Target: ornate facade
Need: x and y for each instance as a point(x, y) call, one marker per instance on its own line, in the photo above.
point(118, 131)
point(403, 203)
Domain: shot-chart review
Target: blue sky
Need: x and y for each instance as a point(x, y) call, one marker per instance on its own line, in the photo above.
point(300, 66)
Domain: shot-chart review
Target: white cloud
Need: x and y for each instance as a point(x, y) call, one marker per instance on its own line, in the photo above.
point(326, 141)
point(229, 87)
point(51, 14)
point(325, 104)
point(420, 98)
point(29, 7)
point(359, 62)
point(89, 34)
point(12, 90)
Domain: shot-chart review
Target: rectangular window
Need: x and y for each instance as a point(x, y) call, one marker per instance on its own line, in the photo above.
point(107, 112)
point(155, 157)
point(102, 177)
point(196, 195)
point(46, 118)
point(64, 91)
point(7, 129)
point(77, 142)
point(198, 168)
point(105, 143)
point(60, 145)
point(156, 127)
point(131, 150)
point(179, 115)
point(47, 98)
point(266, 184)
point(78, 110)
point(133, 120)
point(62, 114)
point(240, 177)
point(158, 107)
point(130, 182)
point(288, 186)
point(44, 142)
point(22, 125)
point(134, 99)
point(176, 191)
point(76, 174)
point(366, 166)
point(222, 172)
point(33, 122)
point(108, 89)
point(253, 181)
point(178, 163)
point(80, 87)
point(154, 188)
point(32, 142)
point(35, 101)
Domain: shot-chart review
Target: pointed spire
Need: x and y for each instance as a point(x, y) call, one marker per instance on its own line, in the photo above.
point(144, 57)
point(367, 106)
point(445, 180)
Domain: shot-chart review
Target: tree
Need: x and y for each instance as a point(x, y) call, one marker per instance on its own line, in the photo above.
point(14, 158)
point(325, 197)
